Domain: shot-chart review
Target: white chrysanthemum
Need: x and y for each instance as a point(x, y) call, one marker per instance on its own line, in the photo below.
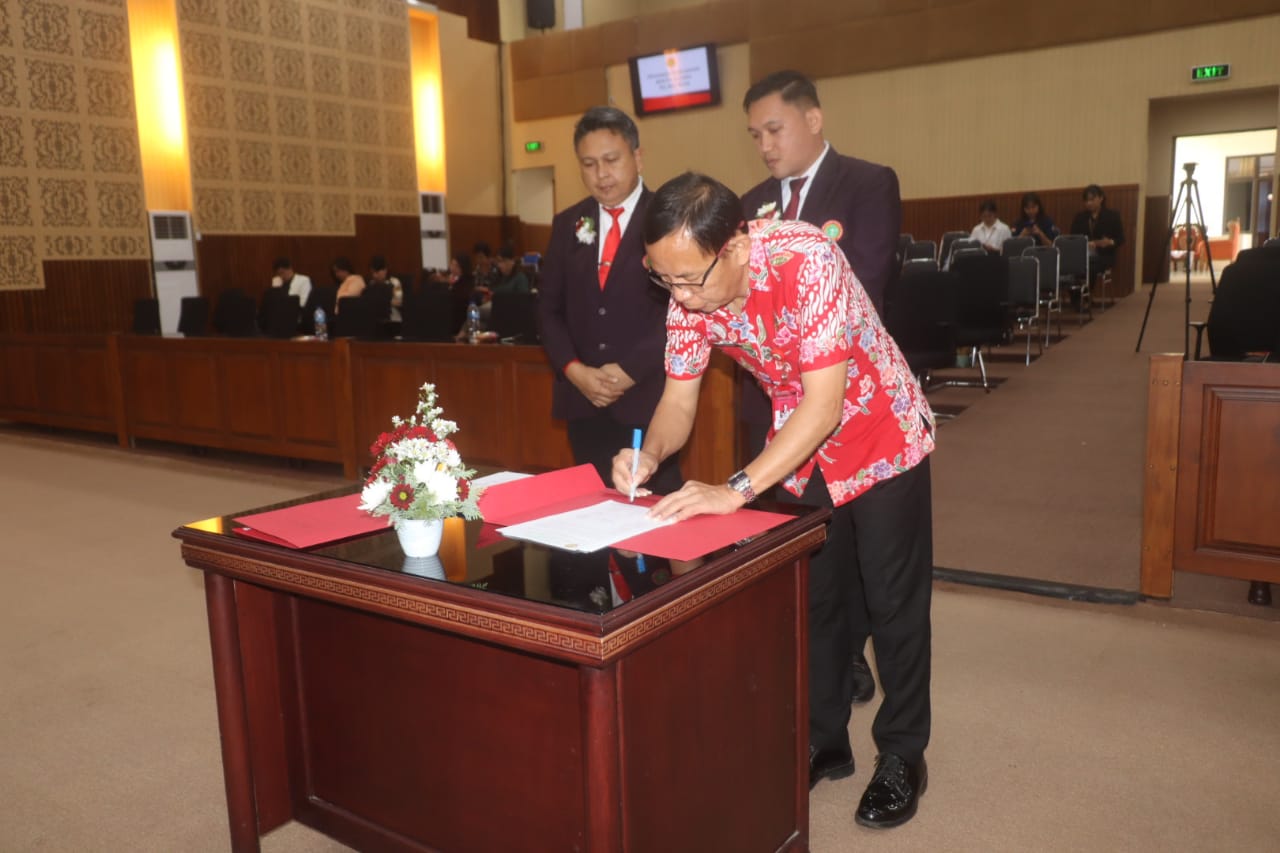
point(452, 458)
point(374, 495)
point(441, 484)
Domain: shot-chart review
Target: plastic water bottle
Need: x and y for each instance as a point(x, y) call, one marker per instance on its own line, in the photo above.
point(473, 323)
point(322, 328)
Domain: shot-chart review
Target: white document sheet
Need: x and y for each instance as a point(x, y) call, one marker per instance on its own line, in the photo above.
point(499, 477)
point(587, 529)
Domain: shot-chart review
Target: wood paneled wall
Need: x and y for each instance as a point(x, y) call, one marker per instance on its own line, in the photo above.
point(245, 260)
point(1155, 238)
point(561, 73)
point(928, 218)
point(79, 297)
point(482, 17)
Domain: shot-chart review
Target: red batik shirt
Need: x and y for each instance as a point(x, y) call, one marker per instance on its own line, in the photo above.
point(806, 311)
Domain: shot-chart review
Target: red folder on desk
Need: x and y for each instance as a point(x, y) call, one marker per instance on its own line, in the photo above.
point(309, 524)
point(573, 488)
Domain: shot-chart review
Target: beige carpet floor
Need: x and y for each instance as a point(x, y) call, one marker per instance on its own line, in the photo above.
point(1042, 477)
point(1058, 726)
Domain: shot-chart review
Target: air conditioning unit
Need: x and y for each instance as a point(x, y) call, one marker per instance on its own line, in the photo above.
point(173, 256)
point(435, 238)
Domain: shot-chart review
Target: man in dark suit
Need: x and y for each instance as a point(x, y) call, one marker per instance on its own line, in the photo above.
point(857, 204)
point(603, 321)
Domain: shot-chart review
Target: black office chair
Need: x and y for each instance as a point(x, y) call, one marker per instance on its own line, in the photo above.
point(281, 320)
point(320, 297)
point(1244, 320)
point(235, 315)
point(354, 319)
point(378, 296)
point(921, 320)
point(193, 316)
point(428, 316)
point(514, 316)
point(982, 314)
point(146, 316)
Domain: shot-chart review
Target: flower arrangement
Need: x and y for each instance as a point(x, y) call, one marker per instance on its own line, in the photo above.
point(418, 474)
point(585, 230)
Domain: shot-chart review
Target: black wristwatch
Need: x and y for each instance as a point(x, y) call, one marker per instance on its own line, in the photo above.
point(741, 484)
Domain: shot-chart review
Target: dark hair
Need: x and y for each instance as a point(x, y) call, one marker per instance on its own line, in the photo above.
point(795, 88)
point(282, 263)
point(343, 263)
point(507, 251)
point(1031, 198)
point(709, 210)
point(1094, 189)
point(987, 204)
point(481, 248)
point(607, 118)
point(378, 263)
point(464, 262)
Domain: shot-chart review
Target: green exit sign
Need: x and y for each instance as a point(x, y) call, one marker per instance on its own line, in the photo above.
point(1203, 73)
point(533, 147)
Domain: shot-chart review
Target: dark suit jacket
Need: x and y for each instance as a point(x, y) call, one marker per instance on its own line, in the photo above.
point(623, 323)
point(862, 198)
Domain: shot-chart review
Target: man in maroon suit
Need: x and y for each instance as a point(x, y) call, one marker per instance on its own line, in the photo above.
point(603, 322)
point(856, 203)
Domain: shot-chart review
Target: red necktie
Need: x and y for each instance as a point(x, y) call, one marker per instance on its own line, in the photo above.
point(611, 241)
point(793, 206)
point(619, 582)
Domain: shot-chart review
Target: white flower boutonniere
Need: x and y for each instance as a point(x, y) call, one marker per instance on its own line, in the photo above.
point(585, 231)
point(768, 211)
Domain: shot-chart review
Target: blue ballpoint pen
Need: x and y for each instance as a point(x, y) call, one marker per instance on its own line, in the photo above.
point(635, 461)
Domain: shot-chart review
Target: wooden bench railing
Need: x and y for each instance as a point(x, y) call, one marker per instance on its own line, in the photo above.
point(1211, 499)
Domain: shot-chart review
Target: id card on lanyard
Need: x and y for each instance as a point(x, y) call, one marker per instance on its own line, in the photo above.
point(785, 401)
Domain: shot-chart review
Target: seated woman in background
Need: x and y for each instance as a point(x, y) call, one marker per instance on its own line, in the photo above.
point(990, 232)
point(1102, 226)
point(349, 284)
point(1035, 223)
point(511, 277)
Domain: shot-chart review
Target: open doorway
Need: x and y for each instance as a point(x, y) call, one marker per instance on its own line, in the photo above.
point(1235, 174)
point(1193, 119)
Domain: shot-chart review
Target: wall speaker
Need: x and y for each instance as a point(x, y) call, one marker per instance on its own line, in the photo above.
point(540, 14)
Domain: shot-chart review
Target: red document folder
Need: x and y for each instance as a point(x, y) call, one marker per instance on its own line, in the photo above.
point(309, 524)
point(573, 488)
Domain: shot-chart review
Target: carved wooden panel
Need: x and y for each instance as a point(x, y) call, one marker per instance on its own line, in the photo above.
point(1228, 468)
point(70, 170)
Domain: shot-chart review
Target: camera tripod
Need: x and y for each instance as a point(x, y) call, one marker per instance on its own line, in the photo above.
point(1188, 201)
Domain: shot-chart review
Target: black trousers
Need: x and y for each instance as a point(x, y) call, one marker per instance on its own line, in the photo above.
point(859, 623)
point(878, 562)
point(598, 438)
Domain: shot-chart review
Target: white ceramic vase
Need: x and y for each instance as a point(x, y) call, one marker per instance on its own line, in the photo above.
point(420, 537)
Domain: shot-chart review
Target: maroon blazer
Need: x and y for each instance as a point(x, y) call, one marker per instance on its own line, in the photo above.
point(623, 323)
point(862, 198)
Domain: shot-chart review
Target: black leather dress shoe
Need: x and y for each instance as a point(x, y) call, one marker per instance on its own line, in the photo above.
point(862, 685)
point(895, 789)
point(836, 763)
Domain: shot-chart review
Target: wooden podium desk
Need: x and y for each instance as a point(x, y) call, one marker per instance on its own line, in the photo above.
point(505, 697)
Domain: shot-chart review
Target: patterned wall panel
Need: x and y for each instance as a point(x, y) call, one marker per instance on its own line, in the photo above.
point(299, 113)
point(70, 170)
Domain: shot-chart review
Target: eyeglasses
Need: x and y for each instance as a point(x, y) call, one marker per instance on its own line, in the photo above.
point(667, 284)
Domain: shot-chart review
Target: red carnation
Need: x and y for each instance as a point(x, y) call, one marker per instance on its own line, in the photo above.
point(402, 496)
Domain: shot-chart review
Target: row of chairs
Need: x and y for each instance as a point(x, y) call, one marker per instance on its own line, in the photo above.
point(981, 302)
point(429, 313)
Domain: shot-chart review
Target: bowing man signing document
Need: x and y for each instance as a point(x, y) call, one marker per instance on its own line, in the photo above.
point(851, 431)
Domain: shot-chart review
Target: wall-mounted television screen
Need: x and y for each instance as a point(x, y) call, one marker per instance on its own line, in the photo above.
point(675, 80)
